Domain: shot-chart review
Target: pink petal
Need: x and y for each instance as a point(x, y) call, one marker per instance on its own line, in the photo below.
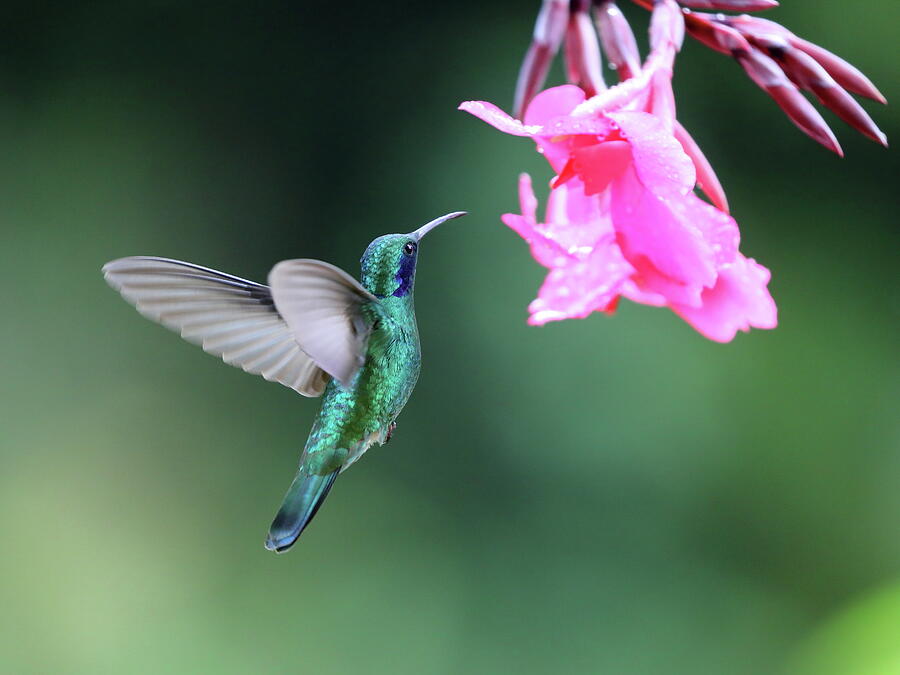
point(618, 40)
point(532, 73)
point(553, 102)
point(738, 301)
point(663, 231)
point(627, 94)
point(598, 165)
point(731, 5)
point(527, 201)
point(563, 134)
point(649, 286)
point(544, 249)
point(548, 33)
point(642, 296)
point(706, 176)
point(549, 111)
point(568, 207)
point(666, 25)
point(662, 100)
point(659, 159)
point(769, 77)
point(567, 125)
point(498, 119)
point(589, 285)
point(583, 58)
point(575, 223)
point(719, 229)
point(846, 75)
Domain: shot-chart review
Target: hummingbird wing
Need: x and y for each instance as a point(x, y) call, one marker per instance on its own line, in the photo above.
point(229, 317)
point(324, 307)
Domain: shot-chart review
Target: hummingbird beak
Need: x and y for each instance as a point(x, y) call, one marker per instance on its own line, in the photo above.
point(428, 227)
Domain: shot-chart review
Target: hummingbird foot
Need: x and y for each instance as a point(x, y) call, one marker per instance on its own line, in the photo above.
point(390, 432)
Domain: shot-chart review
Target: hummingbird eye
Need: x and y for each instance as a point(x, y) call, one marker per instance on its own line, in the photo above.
point(409, 248)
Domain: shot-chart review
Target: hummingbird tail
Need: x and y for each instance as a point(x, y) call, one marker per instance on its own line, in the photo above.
point(300, 504)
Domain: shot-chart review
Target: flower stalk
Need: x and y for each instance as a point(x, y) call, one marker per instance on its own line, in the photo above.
point(781, 64)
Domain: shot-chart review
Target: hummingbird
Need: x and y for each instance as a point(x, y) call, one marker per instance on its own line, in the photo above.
point(313, 328)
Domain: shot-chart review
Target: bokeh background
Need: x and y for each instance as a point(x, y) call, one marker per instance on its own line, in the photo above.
point(613, 495)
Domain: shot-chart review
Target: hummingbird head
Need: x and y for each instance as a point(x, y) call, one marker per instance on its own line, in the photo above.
point(389, 263)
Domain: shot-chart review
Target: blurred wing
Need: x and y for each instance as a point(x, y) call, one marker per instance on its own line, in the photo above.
point(323, 307)
point(229, 317)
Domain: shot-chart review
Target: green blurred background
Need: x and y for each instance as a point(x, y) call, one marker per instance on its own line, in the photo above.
point(613, 495)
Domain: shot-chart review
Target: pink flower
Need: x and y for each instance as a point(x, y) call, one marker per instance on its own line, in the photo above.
point(622, 217)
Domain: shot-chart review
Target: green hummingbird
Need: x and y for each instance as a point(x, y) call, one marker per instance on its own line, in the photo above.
point(315, 329)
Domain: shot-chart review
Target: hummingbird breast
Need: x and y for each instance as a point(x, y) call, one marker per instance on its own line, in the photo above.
point(353, 418)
